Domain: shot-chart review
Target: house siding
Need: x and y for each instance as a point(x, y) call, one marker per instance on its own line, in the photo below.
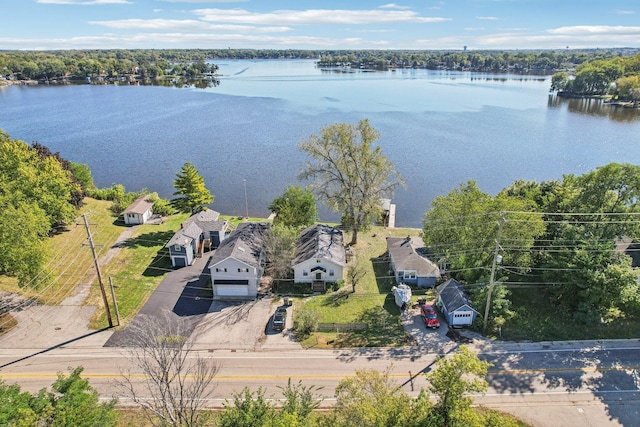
point(310, 264)
point(227, 270)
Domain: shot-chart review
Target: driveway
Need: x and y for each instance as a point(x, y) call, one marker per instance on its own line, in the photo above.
point(243, 325)
point(432, 340)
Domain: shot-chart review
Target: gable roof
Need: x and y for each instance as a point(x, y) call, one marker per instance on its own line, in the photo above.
point(245, 244)
point(139, 205)
point(322, 242)
point(402, 251)
point(185, 235)
point(207, 220)
point(453, 295)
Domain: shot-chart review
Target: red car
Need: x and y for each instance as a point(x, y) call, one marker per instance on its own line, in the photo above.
point(430, 317)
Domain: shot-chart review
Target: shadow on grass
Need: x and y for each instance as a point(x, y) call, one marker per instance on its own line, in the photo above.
point(336, 299)
point(148, 240)
point(384, 280)
point(385, 328)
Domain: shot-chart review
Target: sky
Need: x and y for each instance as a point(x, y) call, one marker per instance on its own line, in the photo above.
point(319, 24)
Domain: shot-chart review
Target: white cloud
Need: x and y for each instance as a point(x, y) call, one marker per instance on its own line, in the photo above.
point(314, 17)
point(394, 6)
point(575, 37)
point(204, 1)
point(84, 2)
point(487, 18)
point(587, 30)
point(625, 12)
point(183, 25)
point(191, 40)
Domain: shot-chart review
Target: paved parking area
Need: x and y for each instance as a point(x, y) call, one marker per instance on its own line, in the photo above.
point(433, 340)
point(243, 325)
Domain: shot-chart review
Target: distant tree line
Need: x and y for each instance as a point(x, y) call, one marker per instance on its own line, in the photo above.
point(154, 64)
point(615, 76)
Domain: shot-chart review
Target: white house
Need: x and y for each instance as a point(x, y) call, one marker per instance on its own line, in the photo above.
point(320, 256)
point(138, 212)
point(237, 265)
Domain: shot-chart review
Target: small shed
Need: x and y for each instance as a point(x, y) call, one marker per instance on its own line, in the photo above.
point(454, 304)
point(138, 212)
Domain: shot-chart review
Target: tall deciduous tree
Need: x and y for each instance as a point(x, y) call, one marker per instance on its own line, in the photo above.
point(452, 380)
point(190, 185)
point(295, 208)
point(350, 174)
point(177, 382)
point(279, 246)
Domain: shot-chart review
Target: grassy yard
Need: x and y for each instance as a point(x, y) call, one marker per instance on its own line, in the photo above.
point(372, 303)
point(137, 269)
point(70, 262)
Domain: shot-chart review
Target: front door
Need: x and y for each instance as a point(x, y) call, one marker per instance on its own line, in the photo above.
point(318, 276)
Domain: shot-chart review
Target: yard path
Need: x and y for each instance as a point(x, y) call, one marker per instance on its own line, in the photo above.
point(46, 326)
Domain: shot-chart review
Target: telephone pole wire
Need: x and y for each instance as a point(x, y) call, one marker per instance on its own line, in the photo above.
point(95, 261)
point(493, 271)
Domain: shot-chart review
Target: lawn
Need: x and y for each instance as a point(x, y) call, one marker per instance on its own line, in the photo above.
point(372, 303)
point(137, 269)
point(70, 262)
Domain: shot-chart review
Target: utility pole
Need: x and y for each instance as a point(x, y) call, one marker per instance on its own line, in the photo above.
point(493, 271)
point(95, 261)
point(246, 201)
point(115, 303)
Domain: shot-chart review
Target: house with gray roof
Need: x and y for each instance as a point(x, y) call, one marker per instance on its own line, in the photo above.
point(320, 256)
point(454, 304)
point(139, 211)
point(201, 231)
point(409, 264)
point(237, 265)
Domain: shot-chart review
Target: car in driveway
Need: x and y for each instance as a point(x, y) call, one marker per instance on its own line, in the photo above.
point(430, 316)
point(279, 319)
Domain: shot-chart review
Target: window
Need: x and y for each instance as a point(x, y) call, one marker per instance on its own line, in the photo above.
point(318, 261)
point(409, 274)
point(217, 270)
point(176, 248)
point(305, 273)
point(330, 272)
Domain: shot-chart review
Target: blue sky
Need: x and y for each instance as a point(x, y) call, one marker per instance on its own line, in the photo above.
point(319, 24)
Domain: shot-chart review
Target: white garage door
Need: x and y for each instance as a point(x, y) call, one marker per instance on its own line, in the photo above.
point(462, 317)
point(231, 290)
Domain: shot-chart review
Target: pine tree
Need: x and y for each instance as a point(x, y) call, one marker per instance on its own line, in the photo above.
point(190, 185)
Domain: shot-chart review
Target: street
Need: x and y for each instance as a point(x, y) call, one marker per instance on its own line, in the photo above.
point(566, 384)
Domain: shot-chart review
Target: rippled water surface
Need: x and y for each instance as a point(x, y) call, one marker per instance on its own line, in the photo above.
point(439, 128)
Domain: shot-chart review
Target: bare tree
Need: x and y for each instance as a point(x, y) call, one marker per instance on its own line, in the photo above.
point(175, 384)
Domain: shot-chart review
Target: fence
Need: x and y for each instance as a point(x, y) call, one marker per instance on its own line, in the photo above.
point(342, 327)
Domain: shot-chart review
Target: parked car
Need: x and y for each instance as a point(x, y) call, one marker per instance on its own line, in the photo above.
point(430, 316)
point(279, 319)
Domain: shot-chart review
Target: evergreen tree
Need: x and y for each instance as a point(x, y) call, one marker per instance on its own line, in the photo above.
point(190, 185)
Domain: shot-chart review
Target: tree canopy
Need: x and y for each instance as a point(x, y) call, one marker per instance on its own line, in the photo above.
point(71, 402)
point(349, 173)
point(295, 208)
point(37, 195)
point(190, 185)
point(563, 237)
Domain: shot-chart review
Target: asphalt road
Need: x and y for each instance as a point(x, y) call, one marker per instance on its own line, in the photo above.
point(595, 384)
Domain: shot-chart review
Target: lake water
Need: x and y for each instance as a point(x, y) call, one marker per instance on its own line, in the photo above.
point(439, 128)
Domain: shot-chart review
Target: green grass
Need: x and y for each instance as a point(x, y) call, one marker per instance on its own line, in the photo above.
point(70, 260)
point(372, 302)
point(536, 319)
point(137, 270)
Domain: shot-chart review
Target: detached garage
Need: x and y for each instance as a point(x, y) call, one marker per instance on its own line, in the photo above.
point(454, 304)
